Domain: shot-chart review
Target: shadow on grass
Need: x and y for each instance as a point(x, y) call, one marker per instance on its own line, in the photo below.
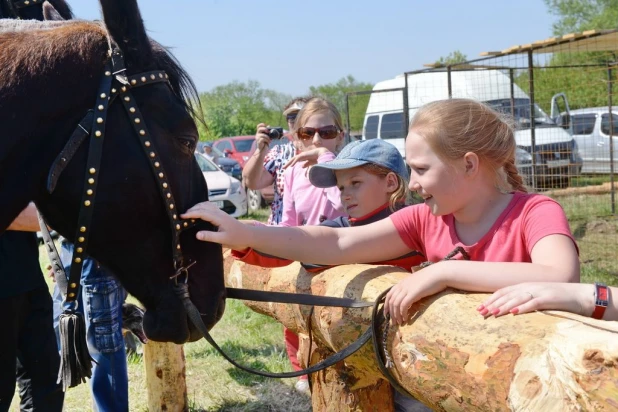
point(253, 358)
point(272, 396)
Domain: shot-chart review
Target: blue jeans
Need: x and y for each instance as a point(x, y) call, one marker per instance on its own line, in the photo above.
point(101, 299)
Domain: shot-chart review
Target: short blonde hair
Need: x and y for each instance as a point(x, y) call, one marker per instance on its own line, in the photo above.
point(455, 127)
point(398, 197)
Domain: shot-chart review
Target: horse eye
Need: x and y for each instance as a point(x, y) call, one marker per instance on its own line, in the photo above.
point(189, 144)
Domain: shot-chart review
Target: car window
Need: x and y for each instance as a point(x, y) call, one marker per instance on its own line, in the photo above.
point(243, 145)
point(605, 124)
point(371, 127)
point(583, 123)
point(223, 145)
point(217, 152)
point(392, 126)
point(205, 164)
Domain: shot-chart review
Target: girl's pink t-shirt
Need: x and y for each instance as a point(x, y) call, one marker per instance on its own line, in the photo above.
point(527, 219)
point(305, 204)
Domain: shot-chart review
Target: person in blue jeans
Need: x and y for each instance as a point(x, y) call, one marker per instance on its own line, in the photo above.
point(101, 299)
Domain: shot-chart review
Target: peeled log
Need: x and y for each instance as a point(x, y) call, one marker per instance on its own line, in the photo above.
point(448, 356)
point(165, 377)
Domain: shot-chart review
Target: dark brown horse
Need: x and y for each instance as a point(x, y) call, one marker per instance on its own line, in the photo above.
point(49, 74)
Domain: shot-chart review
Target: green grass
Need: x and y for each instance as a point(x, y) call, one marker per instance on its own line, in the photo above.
point(595, 229)
point(261, 215)
point(589, 180)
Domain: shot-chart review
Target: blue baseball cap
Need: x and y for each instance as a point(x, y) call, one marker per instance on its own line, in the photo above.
point(208, 144)
point(356, 154)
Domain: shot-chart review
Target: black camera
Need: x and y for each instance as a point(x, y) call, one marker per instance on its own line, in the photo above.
point(275, 132)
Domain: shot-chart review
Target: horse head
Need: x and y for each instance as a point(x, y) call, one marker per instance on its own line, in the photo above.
point(131, 233)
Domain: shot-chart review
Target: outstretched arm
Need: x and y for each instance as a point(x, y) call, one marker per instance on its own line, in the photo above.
point(317, 244)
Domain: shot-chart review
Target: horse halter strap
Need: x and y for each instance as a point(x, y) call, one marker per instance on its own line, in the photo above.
point(115, 84)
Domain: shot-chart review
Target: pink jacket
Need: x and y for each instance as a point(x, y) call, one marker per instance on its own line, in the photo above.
point(305, 204)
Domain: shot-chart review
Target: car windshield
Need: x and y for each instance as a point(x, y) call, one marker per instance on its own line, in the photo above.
point(521, 112)
point(243, 145)
point(205, 164)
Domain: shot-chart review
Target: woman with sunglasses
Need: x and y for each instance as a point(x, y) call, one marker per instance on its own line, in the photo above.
point(318, 135)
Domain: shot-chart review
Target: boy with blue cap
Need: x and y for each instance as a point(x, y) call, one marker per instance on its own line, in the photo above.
point(372, 178)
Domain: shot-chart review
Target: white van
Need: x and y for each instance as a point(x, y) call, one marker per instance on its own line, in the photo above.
point(557, 156)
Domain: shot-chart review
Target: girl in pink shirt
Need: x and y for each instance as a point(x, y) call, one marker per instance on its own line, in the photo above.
point(462, 159)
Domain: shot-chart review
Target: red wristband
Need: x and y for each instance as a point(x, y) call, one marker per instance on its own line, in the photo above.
point(601, 300)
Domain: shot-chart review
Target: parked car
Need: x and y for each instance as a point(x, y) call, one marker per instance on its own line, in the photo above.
point(258, 199)
point(237, 147)
point(227, 164)
point(590, 128)
point(226, 191)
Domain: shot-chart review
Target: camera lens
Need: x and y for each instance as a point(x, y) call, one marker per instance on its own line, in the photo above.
point(274, 134)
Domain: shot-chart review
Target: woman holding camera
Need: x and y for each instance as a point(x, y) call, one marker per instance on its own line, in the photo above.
point(265, 167)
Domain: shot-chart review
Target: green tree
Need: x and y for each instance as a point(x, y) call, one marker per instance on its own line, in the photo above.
point(581, 15)
point(452, 58)
point(336, 93)
point(586, 85)
point(236, 108)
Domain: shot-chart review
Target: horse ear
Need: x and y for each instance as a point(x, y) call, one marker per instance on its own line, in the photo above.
point(125, 26)
point(50, 12)
point(56, 10)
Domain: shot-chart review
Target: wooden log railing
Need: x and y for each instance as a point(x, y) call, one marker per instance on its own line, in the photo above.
point(448, 356)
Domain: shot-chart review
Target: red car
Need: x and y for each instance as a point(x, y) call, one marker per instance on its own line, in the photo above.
point(236, 147)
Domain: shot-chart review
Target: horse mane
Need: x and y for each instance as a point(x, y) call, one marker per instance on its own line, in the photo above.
point(79, 36)
point(179, 79)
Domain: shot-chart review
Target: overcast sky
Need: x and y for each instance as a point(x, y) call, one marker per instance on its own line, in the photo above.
point(289, 46)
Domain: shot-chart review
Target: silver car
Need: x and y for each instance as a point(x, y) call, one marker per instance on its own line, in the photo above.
point(591, 130)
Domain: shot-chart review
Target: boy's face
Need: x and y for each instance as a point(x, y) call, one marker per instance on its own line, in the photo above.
point(363, 192)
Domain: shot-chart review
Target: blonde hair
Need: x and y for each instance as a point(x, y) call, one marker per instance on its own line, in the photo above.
point(455, 127)
point(398, 197)
point(318, 105)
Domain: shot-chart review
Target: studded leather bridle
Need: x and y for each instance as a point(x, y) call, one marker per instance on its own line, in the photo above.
point(114, 85)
